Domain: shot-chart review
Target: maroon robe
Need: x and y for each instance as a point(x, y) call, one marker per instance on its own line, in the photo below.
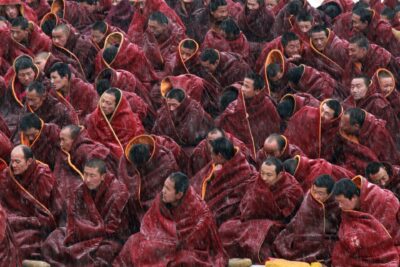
point(109, 29)
point(394, 178)
point(186, 13)
point(41, 8)
point(144, 182)
point(9, 255)
point(264, 210)
point(190, 64)
point(5, 146)
point(116, 131)
point(251, 121)
point(137, 104)
point(96, 227)
point(223, 189)
point(23, 9)
point(72, 64)
point(185, 235)
point(120, 15)
point(29, 200)
point(312, 233)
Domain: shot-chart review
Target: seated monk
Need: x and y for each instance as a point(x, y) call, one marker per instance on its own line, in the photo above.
point(37, 135)
point(99, 32)
point(182, 119)
point(269, 202)
point(201, 154)
point(144, 167)
point(120, 14)
point(302, 24)
point(368, 224)
point(253, 116)
point(41, 7)
point(15, 8)
point(9, 254)
point(277, 145)
point(29, 195)
point(312, 233)
point(177, 230)
point(79, 94)
point(319, 128)
point(385, 175)
point(97, 225)
point(187, 57)
point(48, 108)
point(222, 182)
point(67, 43)
point(364, 95)
point(305, 170)
point(363, 128)
point(113, 123)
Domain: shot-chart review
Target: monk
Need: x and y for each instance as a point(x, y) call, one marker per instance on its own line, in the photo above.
point(187, 235)
point(305, 170)
point(320, 126)
point(38, 135)
point(277, 145)
point(9, 255)
point(120, 14)
point(201, 155)
point(29, 195)
point(364, 128)
point(327, 52)
point(187, 57)
point(113, 123)
point(182, 119)
point(96, 225)
point(385, 175)
point(185, 9)
point(222, 182)
point(365, 96)
point(41, 7)
point(312, 233)
point(99, 32)
point(14, 8)
point(253, 116)
point(372, 211)
point(269, 202)
point(302, 24)
point(79, 94)
point(146, 164)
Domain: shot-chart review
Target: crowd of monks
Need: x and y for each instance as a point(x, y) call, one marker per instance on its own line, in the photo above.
point(199, 133)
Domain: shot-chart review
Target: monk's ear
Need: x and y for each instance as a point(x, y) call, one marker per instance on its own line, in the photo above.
point(179, 196)
point(29, 161)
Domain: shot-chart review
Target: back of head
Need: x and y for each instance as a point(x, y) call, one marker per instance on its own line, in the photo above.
point(288, 37)
point(258, 80)
point(294, 7)
point(304, 16)
point(272, 161)
point(159, 17)
point(38, 87)
point(373, 168)
point(346, 187)
point(285, 108)
point(290, 166)
point(294, 74)
point(29, 121)
point(356, 115)
point(20, 22)
point(228, 96)
point(335, 106)
point(210, 55)
point(177, 94)
point(100, 26)
point(325, 181)
point(360, 40)
point(181, 182)
point(48, 25)
point(279, 139)
point(215, 4)
point(189, 44)
point(102, 85)
point(364, 13)
point(319, 28)
point(139, 154)
point(222, 146)
point(230, 27)
point(331, 9)
point(97, 163)
point(62, 69)
point(110, 53)
point(22, 63)
point(28, 153)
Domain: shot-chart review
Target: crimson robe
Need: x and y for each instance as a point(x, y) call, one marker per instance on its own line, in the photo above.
point(23, 9)
point(251, 121)
point(144, 182)
point(116, 131)
point(109, 29)
point(312, 233)
point(186, 11)
point(316, 136)
point(72, 64)
point(49, 134)
point(120, 15)
point(264, 210)
point(344, 5)
point(41, 8)
point(394, 178)
point(185, 235)
point(223, 189)
point(9, 255)
point(308, 170)
point(342, 25)
point(137, 105)
point(29, 200)
point(190, 64)
point(5, 146)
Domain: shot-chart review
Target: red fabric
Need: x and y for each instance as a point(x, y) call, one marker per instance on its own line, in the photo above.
point(344, 5)
point(394, 178)
point(185, 235)
point(5, 146)
point(41, 8)
point(363, 241)
point(120, 15)
point(137, 104)
point(223, 189)
point(274, 44)
point(24, 9)
point(311, 234)
point(3, 127)
point(191, 64)
point(28, 200)
point(301, 100)
point(116, 131)
point(309, 169)
point(316, 138)
point(109, 29)
point(342, 25)
point(9, 255)
point(251, 121)
point(72, 64)
point(187, 125)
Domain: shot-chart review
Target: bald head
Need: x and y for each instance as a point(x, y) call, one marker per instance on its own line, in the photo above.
point(274, 145)
point(41, 59)
point(21, 158)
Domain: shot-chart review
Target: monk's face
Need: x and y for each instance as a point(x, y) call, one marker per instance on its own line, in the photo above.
point(386, 84)
point(380, 178)
point(11, 11)
point(186, 53)
point(18, 162)
point(92, 177)
point(58, 82)
point(293, 48)
point(319, 40)
point(35, 100)
point(347, 204)
point(319, 193)
point(26, 76)
point(252, 4)
point(221, 13)
point(357, 24)
point(18, 34)
point(168, 193)
point(248, 88)
point(65, 140)
point(157, 29)
point(172, 104)
point(31, 134)
point(59, 37)
point(271, 148)
point(270, 4)
point(358, 88)
point(108, 103)
point(269, 175)
point(346, 127)
point(210, 67)
point(356, 53)
point(97, 36)
point(40, 63)
point(327, 114)
point(304, 26)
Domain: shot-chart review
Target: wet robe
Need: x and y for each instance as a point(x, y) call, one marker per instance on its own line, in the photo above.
point(9, 255)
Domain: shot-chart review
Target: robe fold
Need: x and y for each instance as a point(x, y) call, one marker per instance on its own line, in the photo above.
point(185, 235)
point(9, 255)
point(120, 15)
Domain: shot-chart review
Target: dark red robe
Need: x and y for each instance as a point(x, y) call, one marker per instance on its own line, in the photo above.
point(9, 255)
point(29, 200)
point(394, 178)
point(189, 65)
point(96, 227)
point(264, 210)
point(23, 8)
point(224, 189)
point(120, 15)
point(41, 8)
point(116, 131)
point(312, 233)
point(5, 146)
point(251, 120)
point(181, 236)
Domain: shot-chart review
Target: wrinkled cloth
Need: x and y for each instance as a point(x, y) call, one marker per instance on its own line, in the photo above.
point(189, 65)
point(120, 15)
point(23, 9)
point(186, 13)
point(185, 235)
point(41, 8)
point(9, 255)
point(312, 233)
point(5, 146)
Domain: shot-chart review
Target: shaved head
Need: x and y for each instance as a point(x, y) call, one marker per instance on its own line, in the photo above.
point(63, 28)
